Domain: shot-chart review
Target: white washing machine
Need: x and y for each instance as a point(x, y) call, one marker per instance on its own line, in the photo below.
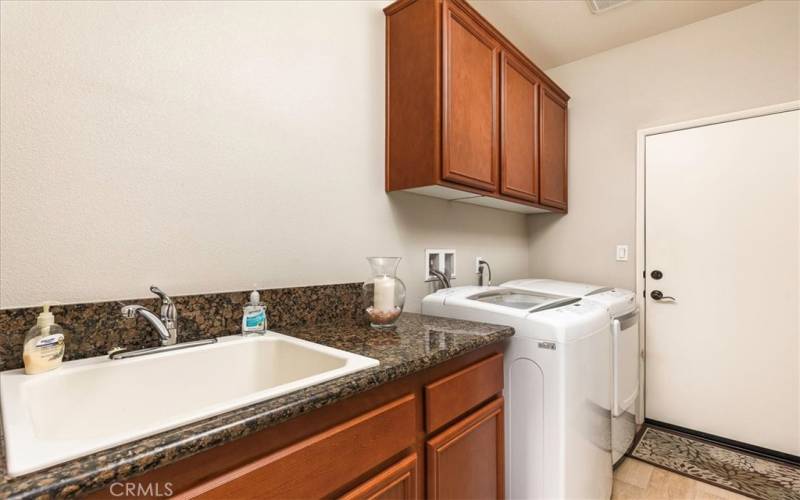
point(557, 387)
point(625, 342)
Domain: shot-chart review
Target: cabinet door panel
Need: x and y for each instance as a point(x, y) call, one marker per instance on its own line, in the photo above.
point(553, 143)
point(519, 155)
point(398, 482)
point(465, 461)
point(469, 102)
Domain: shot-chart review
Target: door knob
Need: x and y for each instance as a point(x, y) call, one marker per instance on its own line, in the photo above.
point(656, 275)
point(659, 295)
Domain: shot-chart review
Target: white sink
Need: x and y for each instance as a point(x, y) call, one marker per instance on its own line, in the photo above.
point(97, 403)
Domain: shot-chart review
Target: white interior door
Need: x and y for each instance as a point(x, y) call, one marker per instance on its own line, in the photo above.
point(721, 223)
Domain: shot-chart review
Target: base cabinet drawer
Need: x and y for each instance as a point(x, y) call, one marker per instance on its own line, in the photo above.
point(316, 467)
point(455, 395)
point(466, 460)
point(398, 482)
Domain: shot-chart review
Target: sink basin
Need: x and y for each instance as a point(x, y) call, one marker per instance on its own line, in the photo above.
point(97, 403)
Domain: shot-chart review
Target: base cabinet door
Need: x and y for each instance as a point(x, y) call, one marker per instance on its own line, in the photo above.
point(466, 460)
point(398, 482)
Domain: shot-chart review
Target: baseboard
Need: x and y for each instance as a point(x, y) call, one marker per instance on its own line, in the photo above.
point(730, 443)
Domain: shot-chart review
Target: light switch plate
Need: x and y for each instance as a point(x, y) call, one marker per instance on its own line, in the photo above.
point(622, 253)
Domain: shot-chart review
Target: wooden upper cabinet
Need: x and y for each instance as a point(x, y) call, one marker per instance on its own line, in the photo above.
point(470, 102)
point(553, 140)
point(465, 112)
point(519, 143)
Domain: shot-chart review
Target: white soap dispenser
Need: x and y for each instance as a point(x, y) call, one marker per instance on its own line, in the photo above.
point(254, 319)
point(43, 349)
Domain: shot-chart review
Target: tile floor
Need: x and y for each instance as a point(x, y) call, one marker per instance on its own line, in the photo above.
point(637, 480)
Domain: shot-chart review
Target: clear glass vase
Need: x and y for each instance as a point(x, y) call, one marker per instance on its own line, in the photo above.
point(384, 294)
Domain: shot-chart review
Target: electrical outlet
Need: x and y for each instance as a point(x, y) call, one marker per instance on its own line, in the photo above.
point(443, 260)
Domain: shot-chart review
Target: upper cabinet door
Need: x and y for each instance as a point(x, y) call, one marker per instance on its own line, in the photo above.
point(519, 140)
point(553, 159)
point(470, 104)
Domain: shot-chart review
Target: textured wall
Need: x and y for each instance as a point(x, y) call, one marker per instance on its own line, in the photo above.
point(208, 147)
point(746, 58)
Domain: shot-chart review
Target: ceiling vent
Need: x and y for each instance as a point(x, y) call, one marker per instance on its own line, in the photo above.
point(602, 6)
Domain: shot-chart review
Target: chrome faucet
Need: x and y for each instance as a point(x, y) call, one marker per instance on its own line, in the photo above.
point(166, 326)
point(167, 337)
point(482, 264)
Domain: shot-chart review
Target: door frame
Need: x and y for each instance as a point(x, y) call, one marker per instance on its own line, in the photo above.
point(639, 253)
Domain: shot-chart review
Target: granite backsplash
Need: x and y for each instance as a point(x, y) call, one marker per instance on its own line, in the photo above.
point(95, 328)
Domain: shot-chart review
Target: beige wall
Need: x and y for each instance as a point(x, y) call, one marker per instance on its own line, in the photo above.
point(742, 59)
point(209, 147)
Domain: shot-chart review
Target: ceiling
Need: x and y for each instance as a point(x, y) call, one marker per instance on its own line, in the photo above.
point(556, 32)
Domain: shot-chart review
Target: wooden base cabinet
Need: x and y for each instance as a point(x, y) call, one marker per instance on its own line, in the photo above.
point(437, 433)
point(398, 482)
point(468, 116)
point(466, 460)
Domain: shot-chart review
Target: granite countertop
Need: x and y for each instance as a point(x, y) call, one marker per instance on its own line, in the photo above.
point(416, 343)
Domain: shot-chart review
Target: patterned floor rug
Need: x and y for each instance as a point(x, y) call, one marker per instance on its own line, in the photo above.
point(724, 467)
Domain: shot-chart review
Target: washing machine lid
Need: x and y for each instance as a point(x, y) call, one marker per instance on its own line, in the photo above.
point(617, 301)
point(537, 316)
point(555, 287)
point(522, 299)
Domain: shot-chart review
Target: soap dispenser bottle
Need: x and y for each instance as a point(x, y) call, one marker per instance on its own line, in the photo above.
point(254, 319)
point(43, 349)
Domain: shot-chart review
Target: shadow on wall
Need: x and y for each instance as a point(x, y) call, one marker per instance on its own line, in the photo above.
point(540, 224)
point(437, 219)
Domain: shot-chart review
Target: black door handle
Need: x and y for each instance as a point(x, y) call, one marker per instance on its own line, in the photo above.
point(659, 295)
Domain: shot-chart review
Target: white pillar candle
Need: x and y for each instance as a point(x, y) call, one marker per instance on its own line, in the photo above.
point(383, 299)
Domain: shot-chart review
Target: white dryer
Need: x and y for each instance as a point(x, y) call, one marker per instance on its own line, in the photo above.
point(557, 387)
point(625, 341)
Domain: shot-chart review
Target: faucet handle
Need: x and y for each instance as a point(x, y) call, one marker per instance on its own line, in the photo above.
point(163, 296)
point(169, 313)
